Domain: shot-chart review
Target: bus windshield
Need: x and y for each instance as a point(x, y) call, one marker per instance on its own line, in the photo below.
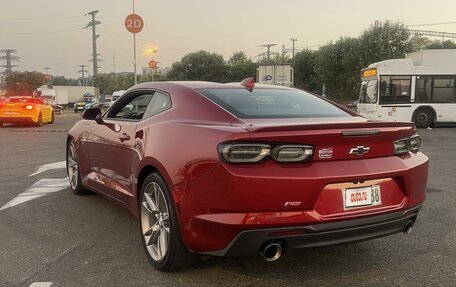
point(368, 92)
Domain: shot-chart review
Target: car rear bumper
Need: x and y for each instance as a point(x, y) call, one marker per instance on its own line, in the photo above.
point(250, 242)
point(18, 120)
point(229, 201)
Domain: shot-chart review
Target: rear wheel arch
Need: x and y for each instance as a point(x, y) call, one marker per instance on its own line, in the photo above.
point(148, 166)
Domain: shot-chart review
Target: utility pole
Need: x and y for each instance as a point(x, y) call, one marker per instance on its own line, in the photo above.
point(293, 51)
point(268, 47)
point(9, 56)
point(82, 71)
point(92, 24)
point(113, 60)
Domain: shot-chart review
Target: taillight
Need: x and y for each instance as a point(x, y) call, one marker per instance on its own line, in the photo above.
point(244, 153)
point(252, 153)
point(292, 153)
point(405, 145)
point(415, 143)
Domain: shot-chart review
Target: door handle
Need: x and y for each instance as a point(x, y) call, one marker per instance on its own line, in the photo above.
point(124, 137)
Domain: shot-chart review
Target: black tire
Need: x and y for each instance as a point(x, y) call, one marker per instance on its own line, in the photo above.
point(177, 255)
point(75, 186)
point(423, 118)
point(52, 118)
point(39, 123)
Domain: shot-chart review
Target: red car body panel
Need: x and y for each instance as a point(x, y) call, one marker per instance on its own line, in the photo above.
point(217, 201)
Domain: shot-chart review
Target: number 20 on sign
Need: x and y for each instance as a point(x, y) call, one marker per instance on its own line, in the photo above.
point(134, 23)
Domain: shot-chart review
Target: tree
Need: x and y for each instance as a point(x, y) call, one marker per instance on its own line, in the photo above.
point(110, 82)
point(338, 67)
point(386, 40)
point(199, 66)
point(436, 44)
point(240, 67)
point(24, 83)
point(62, 81)
point(304, 70)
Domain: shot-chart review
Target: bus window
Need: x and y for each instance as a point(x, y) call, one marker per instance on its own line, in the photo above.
point(435, 89)
point(443, 90)
point(368, 92)
point(395, 89)
point(423, 90)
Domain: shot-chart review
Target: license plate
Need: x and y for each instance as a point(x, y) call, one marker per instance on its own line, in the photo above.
point(362, 196)
point(10, 113)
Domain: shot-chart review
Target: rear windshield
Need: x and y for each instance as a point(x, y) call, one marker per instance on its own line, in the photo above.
point(270, 103)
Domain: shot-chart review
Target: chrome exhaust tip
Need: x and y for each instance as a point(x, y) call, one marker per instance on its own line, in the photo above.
point(409, 226)
point(271, 251)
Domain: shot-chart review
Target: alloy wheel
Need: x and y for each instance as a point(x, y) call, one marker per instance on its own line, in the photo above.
point(72, 167)
point(155, 221)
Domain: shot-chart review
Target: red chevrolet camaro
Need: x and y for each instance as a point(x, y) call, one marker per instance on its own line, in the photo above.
point(239, 169)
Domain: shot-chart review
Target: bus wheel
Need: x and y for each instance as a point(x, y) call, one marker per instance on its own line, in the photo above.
point(423, 118)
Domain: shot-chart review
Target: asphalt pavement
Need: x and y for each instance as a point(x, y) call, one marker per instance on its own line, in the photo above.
point(50, 237)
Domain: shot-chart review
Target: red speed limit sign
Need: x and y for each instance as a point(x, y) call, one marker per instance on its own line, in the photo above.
point(134, 23)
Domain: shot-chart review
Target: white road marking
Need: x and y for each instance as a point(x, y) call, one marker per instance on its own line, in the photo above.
point(40, 188)
point(49, 166)
point(41, 284)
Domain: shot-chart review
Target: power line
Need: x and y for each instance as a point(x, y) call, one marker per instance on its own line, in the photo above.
point(41, 33)
point(41, 19)
point(431, 24)
point(268, 47)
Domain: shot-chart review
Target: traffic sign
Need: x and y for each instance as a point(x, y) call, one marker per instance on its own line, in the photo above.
point(134, 23)
point(153, 64)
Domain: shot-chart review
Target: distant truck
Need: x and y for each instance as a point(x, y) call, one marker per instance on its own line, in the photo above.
point(60, 97)
point(281, 75)
point(67, 95)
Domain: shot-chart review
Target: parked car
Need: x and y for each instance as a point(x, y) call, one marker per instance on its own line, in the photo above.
point(240, 170)
point(26, 110)
point(58, 109)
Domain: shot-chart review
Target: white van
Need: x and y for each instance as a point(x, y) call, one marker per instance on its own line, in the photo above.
point(116, 95)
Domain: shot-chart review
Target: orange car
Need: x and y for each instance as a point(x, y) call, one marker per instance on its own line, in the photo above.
point(23, 110)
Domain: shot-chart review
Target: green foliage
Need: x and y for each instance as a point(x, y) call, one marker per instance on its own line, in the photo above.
point(240, 67)
point(199, 66)
point(276, 60)
point(62, 81)
point(384, 41)
point(110, 82)
point(304, 70)
point(439, 45)
point(24, 83)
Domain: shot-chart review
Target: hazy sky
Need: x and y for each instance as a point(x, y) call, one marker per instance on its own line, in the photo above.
point(49, 33)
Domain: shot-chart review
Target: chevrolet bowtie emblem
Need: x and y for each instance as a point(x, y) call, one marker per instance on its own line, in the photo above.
point(359, 150)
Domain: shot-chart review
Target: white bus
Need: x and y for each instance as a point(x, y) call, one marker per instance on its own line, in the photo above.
point(420, 88)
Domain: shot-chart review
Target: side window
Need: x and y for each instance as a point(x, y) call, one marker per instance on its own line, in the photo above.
point(131, 108)
point(160, 102)
point(395, 89)
point(423, 89)
point(443, 90)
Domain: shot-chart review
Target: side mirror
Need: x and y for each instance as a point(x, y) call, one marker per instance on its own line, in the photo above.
point(93, 114)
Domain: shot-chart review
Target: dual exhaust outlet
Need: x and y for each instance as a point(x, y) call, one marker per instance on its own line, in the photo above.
point(272, 251)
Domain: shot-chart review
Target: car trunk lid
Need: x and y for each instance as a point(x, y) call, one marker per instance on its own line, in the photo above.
point(332, 138)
